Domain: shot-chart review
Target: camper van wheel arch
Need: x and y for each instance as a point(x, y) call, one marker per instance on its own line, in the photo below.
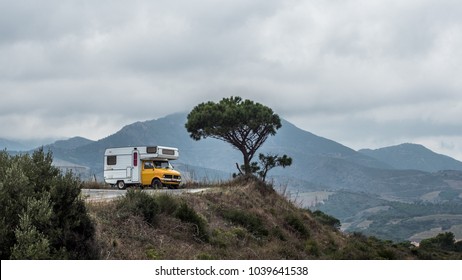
point(156, 184)
point(120, 185)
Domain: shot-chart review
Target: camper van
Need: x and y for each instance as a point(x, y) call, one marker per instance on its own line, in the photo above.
point(141, 166)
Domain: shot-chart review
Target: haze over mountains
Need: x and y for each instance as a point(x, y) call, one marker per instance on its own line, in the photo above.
point(406, 173)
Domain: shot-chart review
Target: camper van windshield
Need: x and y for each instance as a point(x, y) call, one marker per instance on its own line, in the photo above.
point(162, 164)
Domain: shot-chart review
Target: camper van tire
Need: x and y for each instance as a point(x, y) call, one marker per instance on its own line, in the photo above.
point(120, 185)
point(156, 184)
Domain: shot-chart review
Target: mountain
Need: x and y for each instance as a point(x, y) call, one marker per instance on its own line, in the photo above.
point(72, 143)
point(310, 152)
point(12, 145)
point(413, 156)
point(319, 165)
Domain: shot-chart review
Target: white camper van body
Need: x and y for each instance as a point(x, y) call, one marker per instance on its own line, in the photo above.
point(141, 166)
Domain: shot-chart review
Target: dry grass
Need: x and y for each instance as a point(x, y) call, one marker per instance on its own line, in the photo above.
point(243, 220)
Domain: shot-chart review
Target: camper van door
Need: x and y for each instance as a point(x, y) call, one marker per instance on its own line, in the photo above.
point(136, 166)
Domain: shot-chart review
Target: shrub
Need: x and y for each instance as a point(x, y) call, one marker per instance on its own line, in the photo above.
point(296, 224)
point(188, 215)
point(443, 241)
point(139, 203)
point(167, 203)
point(250, 221)
point(41, 213)
point(325, 219)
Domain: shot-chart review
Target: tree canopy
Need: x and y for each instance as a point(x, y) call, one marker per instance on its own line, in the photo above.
point(242, 123)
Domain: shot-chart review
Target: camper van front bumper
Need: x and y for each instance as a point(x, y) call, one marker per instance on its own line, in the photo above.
point(171, 179)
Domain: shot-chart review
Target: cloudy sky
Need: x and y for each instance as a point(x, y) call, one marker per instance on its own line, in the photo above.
point(364, 73)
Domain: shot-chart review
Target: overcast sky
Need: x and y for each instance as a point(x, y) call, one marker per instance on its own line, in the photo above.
point(364, 73)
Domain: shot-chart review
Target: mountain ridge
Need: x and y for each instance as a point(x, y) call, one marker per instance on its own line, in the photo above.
point(413, 156)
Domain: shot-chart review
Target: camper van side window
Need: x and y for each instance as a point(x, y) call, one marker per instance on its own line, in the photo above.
point(168, 152)
point(111, 160)
point(151, 150)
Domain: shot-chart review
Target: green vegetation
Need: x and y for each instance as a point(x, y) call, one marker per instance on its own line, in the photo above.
point(242, 123)
point(443, 241)
point(251, 221)
point(189, 215)
point(325, 219)
point(41, 213)
point(268, 162)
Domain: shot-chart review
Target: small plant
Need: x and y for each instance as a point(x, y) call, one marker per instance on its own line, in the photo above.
point(312, 247)
point(296, 224)
point(140, 203)
point(325, 219)
point(167, 203)
point(188, 215)
point(250, 221)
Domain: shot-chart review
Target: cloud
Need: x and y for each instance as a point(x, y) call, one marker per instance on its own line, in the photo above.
point(359, 72)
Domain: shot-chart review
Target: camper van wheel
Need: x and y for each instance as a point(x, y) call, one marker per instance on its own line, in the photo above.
point(156, 184)
point(121, 185)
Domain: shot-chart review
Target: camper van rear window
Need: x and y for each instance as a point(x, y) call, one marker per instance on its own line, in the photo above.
point(168, 152)
point(111, 160)
point(151, 150)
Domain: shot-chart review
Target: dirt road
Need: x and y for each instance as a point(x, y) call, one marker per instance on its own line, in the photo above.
point(109, 194)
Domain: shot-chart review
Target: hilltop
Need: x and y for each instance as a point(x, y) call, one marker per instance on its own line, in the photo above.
point(235, 220)
point(413, 156)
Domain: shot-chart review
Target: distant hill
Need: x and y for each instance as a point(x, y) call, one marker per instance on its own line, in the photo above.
point(413, 156)
point(72, 143)
point(11, 145)
point(22, 145)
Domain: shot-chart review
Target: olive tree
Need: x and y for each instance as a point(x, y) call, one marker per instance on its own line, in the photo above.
point(242, 123)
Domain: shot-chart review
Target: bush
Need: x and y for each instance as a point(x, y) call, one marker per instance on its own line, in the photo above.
point(188, 215)
point(139, 203)
point(296, 224)
point(325, 219)
point(250, 221)
point(167, 203)
point(41, 213)
point(443, 241)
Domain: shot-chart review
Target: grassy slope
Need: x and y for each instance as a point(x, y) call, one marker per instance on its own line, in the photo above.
point(240, 220)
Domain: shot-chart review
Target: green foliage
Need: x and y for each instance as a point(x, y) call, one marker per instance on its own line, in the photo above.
point(325, 219)
point(188, 215)
point(167, 204)
point(139, 203)
point(268, 162)
point(41, 213)
point(443, 241)
point(248, 220)
point(153, 254)
point(296, 224)
point(312, 247)
point(30, 243)
point(242, 123)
